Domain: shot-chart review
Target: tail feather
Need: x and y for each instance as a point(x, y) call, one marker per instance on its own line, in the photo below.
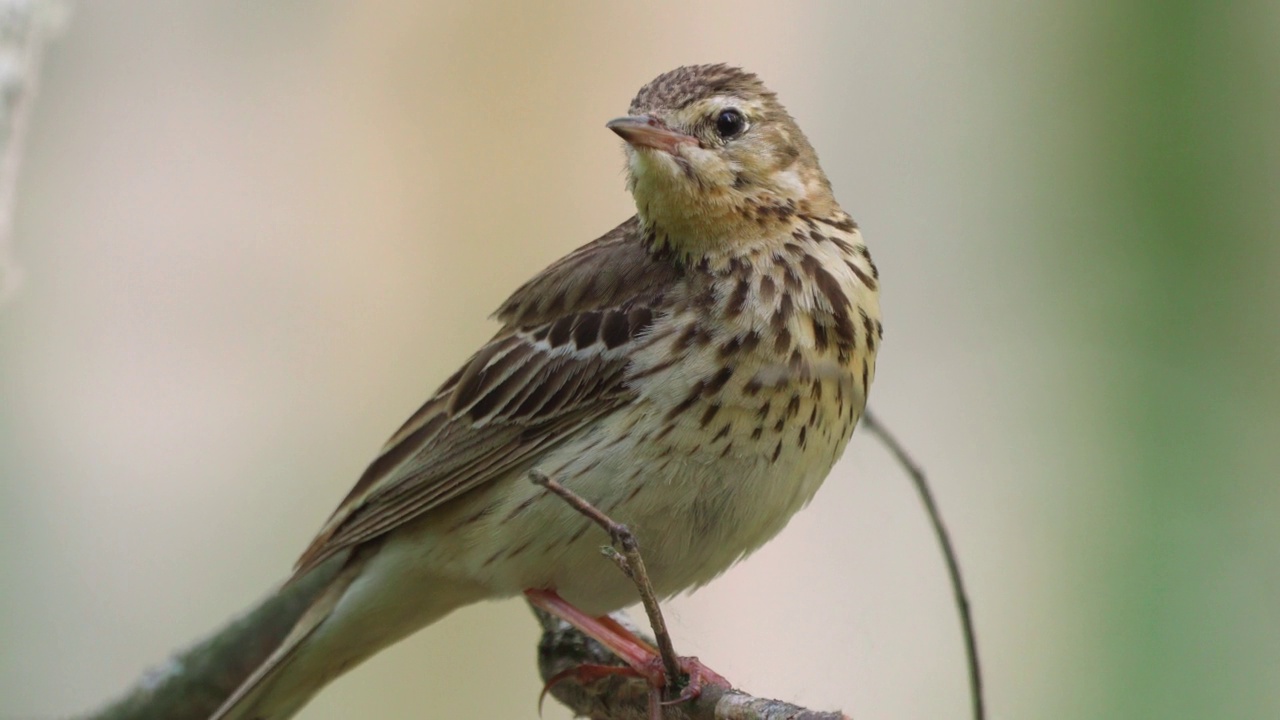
point(266, 694)
point(382, 594)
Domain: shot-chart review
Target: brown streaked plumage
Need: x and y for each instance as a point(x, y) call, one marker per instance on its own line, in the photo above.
point(694, 373)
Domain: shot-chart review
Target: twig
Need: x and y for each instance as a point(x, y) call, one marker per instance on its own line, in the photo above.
point(913, 470)
point(632, 565)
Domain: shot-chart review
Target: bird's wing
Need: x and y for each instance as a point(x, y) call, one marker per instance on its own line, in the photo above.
point(559, 364)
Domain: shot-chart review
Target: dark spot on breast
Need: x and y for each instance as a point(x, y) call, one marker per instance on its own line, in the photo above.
point(782, 314)
point(730, 347)
point(846, 333)
point(790, 278)
point(793, 406)
point(693, 335)
point(738, 301)
point(798, 367)
point(724, 431)
point(580, 532)
point(827, 284)
point(486, 510)
point(706, 297)
point(524, 505)
point(782, 342)
point(755, 434)
point(866, 254)
point(521, 548)
point(777, 451)
point(632, 495)
point(862, 276)
point(767, 288)
point(763, 412)
point(803, 435)
point(843, 223)
point(685, 339)
point(666, 430)
point(694, 393)
point(709, 414)
point(820, 339)
point(717, 381)
point(753, 386)
point(844, 245)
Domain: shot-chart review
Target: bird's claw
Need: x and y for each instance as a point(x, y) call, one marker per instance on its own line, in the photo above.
point(697, 676)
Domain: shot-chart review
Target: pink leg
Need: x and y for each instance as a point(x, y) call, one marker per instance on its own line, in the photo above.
point(638, 654)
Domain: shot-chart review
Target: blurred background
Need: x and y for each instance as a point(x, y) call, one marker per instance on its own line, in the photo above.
point(256, 235)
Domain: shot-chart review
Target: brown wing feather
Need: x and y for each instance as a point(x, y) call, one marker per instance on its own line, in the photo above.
point(559, 364)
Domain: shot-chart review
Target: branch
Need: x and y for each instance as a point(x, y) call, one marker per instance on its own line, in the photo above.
point(617, 697)
point(873, 425)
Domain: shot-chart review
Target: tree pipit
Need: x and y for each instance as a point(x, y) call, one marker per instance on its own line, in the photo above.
point(694, 373)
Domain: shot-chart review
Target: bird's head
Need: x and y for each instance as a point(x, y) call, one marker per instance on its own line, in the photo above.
point(714, 158)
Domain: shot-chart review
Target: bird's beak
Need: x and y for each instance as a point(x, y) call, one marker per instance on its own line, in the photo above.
point(648, 131)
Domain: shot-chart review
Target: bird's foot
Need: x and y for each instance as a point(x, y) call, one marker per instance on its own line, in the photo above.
point(642, 658)
point(697, 677)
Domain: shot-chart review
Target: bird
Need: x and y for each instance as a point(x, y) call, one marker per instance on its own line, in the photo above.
point(694, 373)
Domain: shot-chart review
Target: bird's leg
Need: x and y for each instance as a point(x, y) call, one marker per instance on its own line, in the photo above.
point(634, 651)
point(657, 665)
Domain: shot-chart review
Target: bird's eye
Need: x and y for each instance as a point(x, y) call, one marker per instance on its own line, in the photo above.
point(730, 123)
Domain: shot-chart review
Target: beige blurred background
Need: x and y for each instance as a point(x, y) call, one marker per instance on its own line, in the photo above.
point(256, 235)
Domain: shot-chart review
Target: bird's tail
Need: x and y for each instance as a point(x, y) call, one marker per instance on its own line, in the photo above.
point(384, 592)
point(294, 672)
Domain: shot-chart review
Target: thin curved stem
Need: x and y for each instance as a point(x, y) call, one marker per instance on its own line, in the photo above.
point(917, 476)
